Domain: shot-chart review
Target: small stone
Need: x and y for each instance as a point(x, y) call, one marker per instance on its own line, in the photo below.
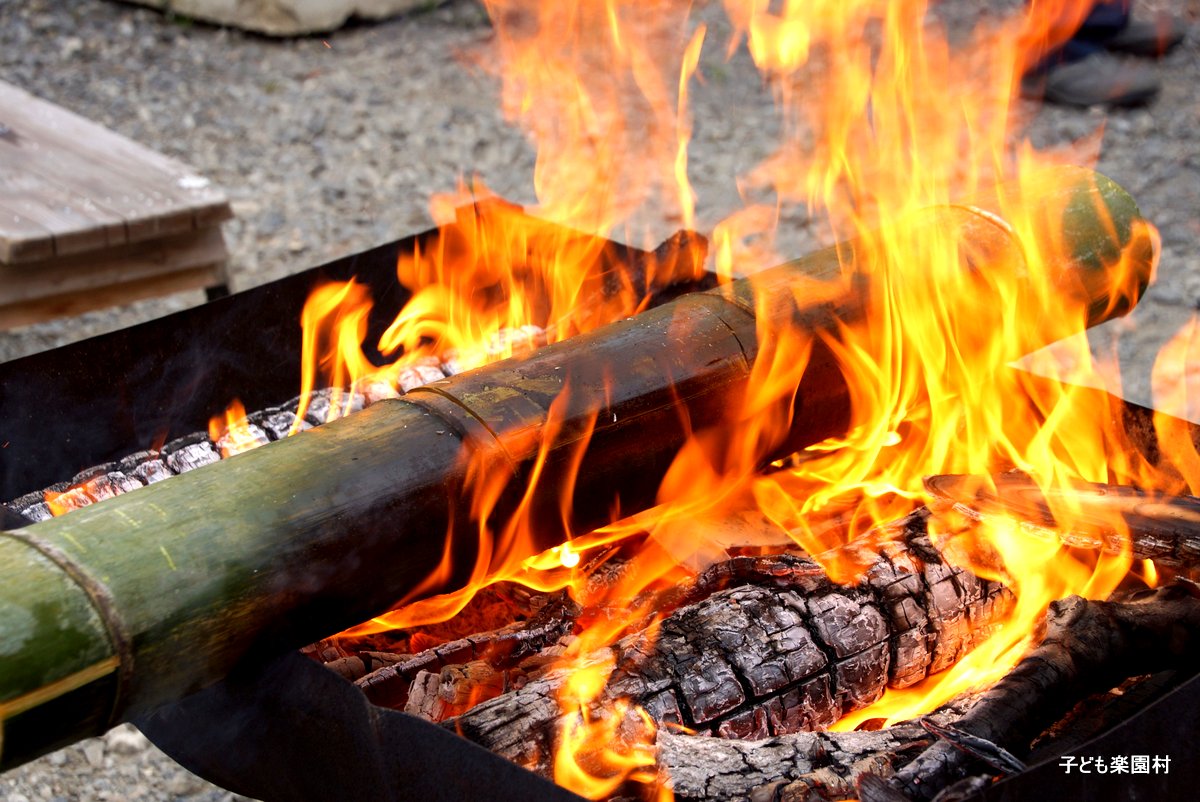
point(125, 740)
point(57, 759)
point(93, 752)
point(181, 783)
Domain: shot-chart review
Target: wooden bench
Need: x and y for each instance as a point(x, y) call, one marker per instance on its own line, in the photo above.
point(90, 219)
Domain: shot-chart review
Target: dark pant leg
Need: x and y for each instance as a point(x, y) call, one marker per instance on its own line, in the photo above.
point(1104, 20)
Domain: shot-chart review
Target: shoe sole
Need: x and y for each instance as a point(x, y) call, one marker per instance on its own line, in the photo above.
point(1037, 90)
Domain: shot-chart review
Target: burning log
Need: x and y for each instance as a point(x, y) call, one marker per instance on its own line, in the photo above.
point(782, 650)
point(926, 612)
point(1152, 525)
point(804, 767)
point(279, 546)
point(1088, 647)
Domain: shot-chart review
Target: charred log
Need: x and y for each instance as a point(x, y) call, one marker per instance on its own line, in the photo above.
point(781, 650)
point(1088, 647)
point(1153, 525)
point(804, 766)
point(391, 685)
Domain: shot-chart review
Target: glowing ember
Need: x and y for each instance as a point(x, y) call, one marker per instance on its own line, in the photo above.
point(232, 433)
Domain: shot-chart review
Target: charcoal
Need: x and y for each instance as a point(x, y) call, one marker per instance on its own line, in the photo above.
point(243, 437)
point(190, 452)
point(94, 472)
point(516, 342)
point(23, 504)
point(147, 467)
point(418, 375)
point(749, 725)
point(39, 511)
point(278, 422)
point(773, 648)
point(376, 390)
point(70, 499)
point(321, 400)
point(111, 484)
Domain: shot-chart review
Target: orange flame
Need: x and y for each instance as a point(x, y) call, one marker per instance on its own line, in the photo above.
point(885, 125)
point(232, 432)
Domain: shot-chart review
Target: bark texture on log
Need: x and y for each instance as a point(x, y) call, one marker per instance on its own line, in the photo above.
point(792, 653)
point(1088, 647)
point(803, 766)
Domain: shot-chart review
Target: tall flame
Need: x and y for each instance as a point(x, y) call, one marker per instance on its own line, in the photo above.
point(885, 125)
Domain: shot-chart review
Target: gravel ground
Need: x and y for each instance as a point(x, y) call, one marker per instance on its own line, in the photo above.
point(330, 145)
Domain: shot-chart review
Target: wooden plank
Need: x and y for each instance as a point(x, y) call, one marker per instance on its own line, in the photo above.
point(54, 220)
point(145, 211)
point(26, 313)
point(116, 265)
point(120, 153)
point(100, 176)
point(34, 242)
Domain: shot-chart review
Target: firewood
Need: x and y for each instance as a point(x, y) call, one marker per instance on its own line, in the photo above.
point(805, 766)
point(1157, 526)
point(790, 652)
point(391, 685)
point(1088, 646)
point(423, 699)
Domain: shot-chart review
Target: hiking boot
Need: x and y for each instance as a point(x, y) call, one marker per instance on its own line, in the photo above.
point(1098, 80)
point(1150, 38)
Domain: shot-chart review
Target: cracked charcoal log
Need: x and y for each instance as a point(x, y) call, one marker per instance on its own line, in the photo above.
point(189, 452)
point(1160, 527)
point(145, 466)
point(1088, 647)
point(753, 661)
point(277, 422)
point(805, 766)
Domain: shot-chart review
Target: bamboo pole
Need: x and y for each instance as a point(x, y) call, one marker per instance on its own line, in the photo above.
point(119, 607)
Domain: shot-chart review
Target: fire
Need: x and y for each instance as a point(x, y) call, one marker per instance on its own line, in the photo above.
point(232, 432)
point(886, 127)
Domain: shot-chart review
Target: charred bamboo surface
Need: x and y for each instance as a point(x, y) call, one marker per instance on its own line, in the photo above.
point(277, 547)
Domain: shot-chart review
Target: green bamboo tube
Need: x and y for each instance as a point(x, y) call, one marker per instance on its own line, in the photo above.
point(119, 607)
